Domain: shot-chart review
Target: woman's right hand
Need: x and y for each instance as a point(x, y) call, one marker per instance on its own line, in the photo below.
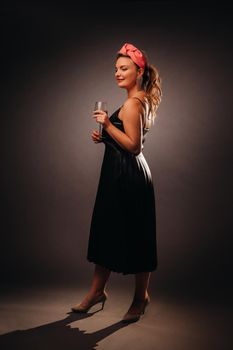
point(96, 137)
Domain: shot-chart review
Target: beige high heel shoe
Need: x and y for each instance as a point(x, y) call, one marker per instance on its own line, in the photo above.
point(134, 317)
point(86, 307)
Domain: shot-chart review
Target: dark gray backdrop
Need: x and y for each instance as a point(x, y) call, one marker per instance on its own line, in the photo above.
point(57, 60)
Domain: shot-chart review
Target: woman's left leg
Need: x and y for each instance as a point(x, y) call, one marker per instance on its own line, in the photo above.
point(141, 285)
point(141, 297)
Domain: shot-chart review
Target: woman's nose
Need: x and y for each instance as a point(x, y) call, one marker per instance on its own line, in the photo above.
point(117, 73)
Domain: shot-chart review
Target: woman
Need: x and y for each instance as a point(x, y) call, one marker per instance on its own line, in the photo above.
point(123, 227)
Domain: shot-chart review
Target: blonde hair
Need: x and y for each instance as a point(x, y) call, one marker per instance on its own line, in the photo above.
point(151, 83)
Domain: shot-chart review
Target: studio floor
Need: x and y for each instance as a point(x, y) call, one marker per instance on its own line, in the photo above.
point(39, 318)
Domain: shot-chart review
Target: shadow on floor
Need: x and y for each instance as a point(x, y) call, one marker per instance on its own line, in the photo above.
point(57, 335)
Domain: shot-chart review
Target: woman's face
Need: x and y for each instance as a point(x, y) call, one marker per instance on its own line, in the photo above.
point(126, 73)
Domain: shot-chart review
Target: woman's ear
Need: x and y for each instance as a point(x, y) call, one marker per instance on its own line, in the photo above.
point(140, 72)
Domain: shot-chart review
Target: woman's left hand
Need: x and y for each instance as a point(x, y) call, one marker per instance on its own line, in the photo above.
point(101, 117)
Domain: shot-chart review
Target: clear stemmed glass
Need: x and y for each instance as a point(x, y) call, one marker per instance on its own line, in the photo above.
point(102, 105)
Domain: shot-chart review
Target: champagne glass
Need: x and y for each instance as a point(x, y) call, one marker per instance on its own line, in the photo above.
point(102, 105)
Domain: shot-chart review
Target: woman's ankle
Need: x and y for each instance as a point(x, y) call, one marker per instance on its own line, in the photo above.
point(96, 292)
point(141, 295)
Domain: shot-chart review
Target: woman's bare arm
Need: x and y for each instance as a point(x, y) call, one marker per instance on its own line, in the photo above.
point(131, 115)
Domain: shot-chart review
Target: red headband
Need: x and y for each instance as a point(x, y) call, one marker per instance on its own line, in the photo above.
point(134, 53)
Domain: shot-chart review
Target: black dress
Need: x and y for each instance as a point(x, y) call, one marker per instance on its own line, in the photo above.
point(123, 225)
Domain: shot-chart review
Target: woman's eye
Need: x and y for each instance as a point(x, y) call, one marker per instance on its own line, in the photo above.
point(124, 69)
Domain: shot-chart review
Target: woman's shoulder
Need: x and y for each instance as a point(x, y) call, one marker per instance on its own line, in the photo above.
point(135, 100)
point(134, 103)
point(141, 103)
